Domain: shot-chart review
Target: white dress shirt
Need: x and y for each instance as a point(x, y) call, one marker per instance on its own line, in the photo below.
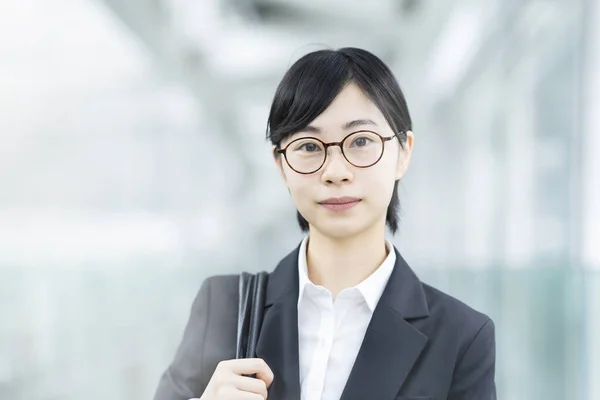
point(330, 332)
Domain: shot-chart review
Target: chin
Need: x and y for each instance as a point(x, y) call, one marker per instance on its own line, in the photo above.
point(339, 229)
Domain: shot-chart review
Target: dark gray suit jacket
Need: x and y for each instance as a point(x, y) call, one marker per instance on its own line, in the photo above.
point(420, 343)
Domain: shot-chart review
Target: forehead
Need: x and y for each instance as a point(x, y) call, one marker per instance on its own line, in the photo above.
point(350, 104)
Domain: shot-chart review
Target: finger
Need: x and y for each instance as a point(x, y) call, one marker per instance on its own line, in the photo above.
point(266, 375)
point(250, 366)
point(252, 385)
point(264, 372)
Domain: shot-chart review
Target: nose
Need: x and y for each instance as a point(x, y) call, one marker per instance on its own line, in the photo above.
point(336, 169)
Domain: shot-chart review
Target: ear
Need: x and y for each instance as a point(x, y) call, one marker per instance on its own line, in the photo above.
point(278, 158)
point(405, 154)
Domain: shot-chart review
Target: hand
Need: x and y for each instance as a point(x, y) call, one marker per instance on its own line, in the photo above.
point(229, 383)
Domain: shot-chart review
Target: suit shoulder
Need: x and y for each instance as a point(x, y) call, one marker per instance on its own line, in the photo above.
point(221, 280)
point(453, 312)
point(216, 285)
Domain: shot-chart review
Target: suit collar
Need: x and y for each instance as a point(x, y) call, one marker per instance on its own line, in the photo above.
point(391, 345)
point(283, 281)
point(404, 292)
point(278, 338)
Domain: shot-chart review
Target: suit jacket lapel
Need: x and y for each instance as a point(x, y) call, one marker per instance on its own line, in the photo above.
point(278, 339)
point(391, 345)
point(390, 348)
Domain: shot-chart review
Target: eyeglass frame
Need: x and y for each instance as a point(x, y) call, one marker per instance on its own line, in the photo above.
point(340, 145)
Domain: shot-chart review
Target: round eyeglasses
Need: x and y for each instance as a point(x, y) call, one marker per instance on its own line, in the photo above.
point(362, 149)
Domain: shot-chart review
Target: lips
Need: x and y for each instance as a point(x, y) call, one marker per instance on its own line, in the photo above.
point(340, 200)
point(340, 203)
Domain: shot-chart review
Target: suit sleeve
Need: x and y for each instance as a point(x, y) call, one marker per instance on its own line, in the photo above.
point(474, 376)
point(182, 379)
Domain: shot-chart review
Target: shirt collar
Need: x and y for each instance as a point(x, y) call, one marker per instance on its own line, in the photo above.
point(303, 279)
point(371, 288)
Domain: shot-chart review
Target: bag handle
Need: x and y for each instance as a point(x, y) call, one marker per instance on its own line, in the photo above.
point(252, 293)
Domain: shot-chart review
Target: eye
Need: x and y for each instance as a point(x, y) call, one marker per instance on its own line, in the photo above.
point(361, 141)
point(310, 147)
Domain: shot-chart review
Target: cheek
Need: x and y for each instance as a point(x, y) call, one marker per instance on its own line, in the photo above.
point(379, 183)
point(300, 188)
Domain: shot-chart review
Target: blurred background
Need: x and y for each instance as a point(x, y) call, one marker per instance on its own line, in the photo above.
point(133, 160)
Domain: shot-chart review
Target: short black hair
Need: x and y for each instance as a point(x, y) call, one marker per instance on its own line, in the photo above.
point(312, 83)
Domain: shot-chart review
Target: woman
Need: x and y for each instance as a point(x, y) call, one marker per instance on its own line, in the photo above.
point(345, 316)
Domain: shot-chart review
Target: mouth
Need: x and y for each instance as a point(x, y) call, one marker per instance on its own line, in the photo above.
point(340, 203)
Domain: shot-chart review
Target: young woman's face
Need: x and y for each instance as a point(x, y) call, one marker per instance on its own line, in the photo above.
point(342, 200)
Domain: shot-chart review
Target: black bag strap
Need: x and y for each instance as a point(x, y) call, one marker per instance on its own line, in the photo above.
point(252, 290)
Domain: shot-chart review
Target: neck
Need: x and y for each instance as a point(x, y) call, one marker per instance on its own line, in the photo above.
point(337, 264)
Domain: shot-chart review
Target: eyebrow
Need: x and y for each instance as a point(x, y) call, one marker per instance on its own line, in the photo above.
point(348, 125)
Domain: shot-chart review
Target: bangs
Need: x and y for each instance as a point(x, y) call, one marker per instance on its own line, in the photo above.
point(305, 92)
